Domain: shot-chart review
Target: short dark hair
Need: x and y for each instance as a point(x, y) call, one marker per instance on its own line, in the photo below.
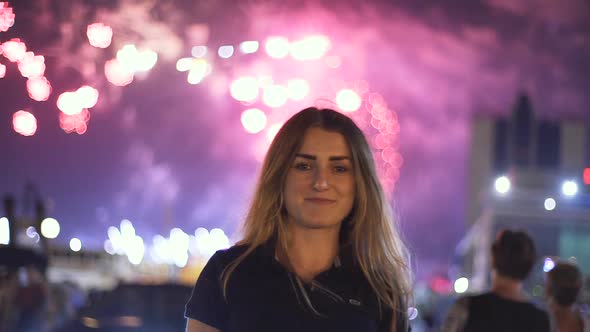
point(564, 282)
point(514, 254)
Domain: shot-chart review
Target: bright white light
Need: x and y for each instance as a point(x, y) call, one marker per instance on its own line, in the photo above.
point(198, 70)
point(14, 50)
point(24, 123)
point(218, 239)
point(199, 51)
point(502, 185)
point(412, 313)
point(117, 73)
point(135, 250)
point(2, 69)
point(277, 47)
point(225, 51)
point(273, 130)
point(70, 103)
point(50, 228)
point(253, 120)
point(298, 89)
point(310, 48)
point(4, 231)
point(99, 35)
point(181, 259)
point(146, 60)
point(348, 100)
point(127, 56)
point(116, 239)
point(275, 96)
point(87, 96)
point(569, 188)
point(38, 88)
point(127, 229)
point(250, 46)
point(461, 285)
point(548, 264)
point(75, 244)
point(184, 64)
point(550, 204)
point(244, 89)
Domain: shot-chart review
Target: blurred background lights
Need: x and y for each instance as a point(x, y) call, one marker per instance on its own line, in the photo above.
point(461, 285)
point(310, 48)
point(249, 46)
point(225, 51)
point(2, 70)
point(77, 123)
point(244, 89)
point(69, 103)
point(108, 247)
point(348, 100)
point(277, 47)
point(39, 88)
point(75, 244)
point(99, 35)
point(117, 73)
point(412, 313)
point(14, 50)
point(6, 17)
point(31, 65)
point(199, 51)
point(569, 188)
point(298, 89)
point(50, 228)
point(275, 95)
point(87, 96)
point(586, 175)
point(199, 68)
point(502, 185)
point(4, 231)
point(550, 204)
point(548, 264)
point(135, 250)
point(135, 60)
point(24, 123)
point(184, 64)
point(31, 232)
point(253, 120)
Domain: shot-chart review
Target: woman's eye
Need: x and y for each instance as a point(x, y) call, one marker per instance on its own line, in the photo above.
point(340, 169)
point(302, 166)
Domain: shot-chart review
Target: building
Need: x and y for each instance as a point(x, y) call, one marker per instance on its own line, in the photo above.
point(530, 173)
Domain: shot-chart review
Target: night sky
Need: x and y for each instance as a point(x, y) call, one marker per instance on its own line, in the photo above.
point(163, 153)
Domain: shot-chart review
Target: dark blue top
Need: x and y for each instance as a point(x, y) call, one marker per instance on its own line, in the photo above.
point(264, 296)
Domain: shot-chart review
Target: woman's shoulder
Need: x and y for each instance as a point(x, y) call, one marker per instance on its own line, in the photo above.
point(225, 256)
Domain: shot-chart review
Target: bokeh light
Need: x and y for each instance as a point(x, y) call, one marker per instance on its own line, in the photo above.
point(184, 64)
point(244, 89)
point(75, 123)
point(87, 96)
point(4, 231)
point(2, 70)
point(225, 51)
point(298, 89)
point(31, 65)
point(24, 123)
point(277, 47)
point(548, 264)
point(50, 228)
point(69, 103)
point(348, 100)
point(6, 17)
point(272, 131)
point(249, 46)
point(253, 120)
point(569, 188)
point(39, 88)
point(75, 244)
point(117, 73)
point(199, 51)
point(275, 96)
point(502, 185)
point(550, 204)
point(14, 50)
point(461, 285)
point(310, 48)
point(199, 69)
point(99, 35)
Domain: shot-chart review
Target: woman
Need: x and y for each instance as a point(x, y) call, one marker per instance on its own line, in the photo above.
point(320, 252)
point(563, 285)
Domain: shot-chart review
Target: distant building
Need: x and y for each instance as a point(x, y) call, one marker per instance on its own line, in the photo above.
point(527, 172)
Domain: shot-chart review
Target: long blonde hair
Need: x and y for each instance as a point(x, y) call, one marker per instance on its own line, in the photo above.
point(370, 229)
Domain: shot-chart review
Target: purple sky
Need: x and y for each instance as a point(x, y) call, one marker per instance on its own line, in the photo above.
point(164, 153)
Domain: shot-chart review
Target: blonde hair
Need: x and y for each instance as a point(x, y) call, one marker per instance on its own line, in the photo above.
point(369, 229)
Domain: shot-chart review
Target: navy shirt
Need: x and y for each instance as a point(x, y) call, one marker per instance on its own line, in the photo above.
point(263, 296)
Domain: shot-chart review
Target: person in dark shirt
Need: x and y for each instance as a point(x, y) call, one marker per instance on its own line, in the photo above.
point(505, 308)
point(320, 250)
point(563, 286)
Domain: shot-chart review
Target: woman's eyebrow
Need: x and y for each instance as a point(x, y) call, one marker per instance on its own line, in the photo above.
point(312, 157)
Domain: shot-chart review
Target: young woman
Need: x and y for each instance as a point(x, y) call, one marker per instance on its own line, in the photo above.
point(320, 250)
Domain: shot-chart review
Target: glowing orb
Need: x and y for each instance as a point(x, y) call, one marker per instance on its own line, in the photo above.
point(38, 88)
point(277, 47)
point(348, 100)
point(24, 123)
point(275, 96)
point(117, 73)
point(99, 35)
point(244, 89)
point(253, 120)
point(298, 89)
point(310, 48)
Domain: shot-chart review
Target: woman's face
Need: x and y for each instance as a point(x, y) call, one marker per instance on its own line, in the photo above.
point(320, 186)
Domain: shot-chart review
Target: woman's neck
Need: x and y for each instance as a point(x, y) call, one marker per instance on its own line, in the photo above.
point(507, 288)
point(309, 252)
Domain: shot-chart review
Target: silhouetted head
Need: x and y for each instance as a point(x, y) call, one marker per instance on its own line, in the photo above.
point(564, 283)
point(513, 254)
